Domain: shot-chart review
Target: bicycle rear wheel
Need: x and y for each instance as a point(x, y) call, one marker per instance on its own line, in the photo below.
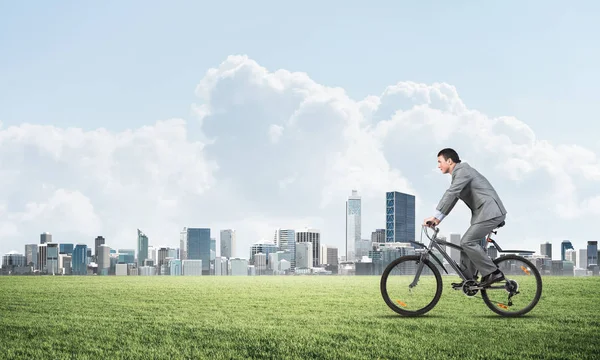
point(521, 290)
point(396, 291)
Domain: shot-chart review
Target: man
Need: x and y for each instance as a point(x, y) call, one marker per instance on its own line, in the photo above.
point(487, 212)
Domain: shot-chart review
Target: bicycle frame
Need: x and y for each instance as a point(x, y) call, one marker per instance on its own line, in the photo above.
point(435, 243)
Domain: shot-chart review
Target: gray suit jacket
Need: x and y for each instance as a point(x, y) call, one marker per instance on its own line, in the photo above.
point(474, 190)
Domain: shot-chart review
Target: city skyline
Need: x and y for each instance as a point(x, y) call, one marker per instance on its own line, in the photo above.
point(104, 130)
point(396, 204)
point(556, 250)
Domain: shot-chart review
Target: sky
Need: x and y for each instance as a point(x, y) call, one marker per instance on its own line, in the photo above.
point(257, 115)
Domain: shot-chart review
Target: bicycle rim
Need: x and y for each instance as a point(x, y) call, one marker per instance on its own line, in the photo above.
point(400, 297)
point(519, 293)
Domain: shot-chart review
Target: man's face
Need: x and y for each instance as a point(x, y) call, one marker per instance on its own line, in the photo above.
point(444, 165)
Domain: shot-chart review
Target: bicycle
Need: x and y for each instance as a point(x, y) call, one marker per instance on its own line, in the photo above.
point(425, 273)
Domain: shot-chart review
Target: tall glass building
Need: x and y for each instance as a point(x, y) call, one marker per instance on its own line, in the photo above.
point(52, 258)
point(65, 249)
point(564, 246)
point(31, 255)
point(126, 256)
point(142, 248)
point(79, 260)
point(399, 217)
point(97, 242)
point(198, 247)
point(592, 253)
point(313, 236)
point(228, 243)
point(353, 225)
point(286, 241)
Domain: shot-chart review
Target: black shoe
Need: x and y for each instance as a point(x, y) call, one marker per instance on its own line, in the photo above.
point(492, 278)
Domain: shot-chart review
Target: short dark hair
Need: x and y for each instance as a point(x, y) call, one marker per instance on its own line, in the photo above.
point(449, 153)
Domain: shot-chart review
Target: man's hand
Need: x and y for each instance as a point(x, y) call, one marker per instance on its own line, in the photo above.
point(433, 221)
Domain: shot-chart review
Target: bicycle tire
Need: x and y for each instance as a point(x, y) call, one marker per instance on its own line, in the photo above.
point(538, 293)
point(388, 301)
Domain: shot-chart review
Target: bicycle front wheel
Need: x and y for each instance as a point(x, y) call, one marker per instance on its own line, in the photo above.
point(405, 299)
point(521, 290)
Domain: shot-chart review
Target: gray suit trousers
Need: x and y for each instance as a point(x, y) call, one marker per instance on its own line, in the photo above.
point(473, 257)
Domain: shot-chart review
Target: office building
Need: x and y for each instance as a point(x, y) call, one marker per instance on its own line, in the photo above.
point(142, 247)
point(79, 260)
point(314, 237)
point(304, 255)
point(31, 257)
point(45, 238)
point(546, 250)
point(52, 258)
point(98, 241)
point(66, 249)
point(13, 260)
point(399, 217)
point(228, 240)
point(378, 236)
point(592, 253)
point(103, 260)
point(198, 246)
point(285, 239)
point(265, 247)
point(564, 246)
point(353, 224)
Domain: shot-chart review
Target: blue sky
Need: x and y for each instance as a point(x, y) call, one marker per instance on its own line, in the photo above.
point(123, 65)
point(120, 64)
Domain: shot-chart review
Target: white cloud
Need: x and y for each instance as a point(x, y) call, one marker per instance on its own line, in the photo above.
point(279, 150)
point(275, 132)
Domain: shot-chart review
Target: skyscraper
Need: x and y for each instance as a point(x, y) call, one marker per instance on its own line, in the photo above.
point(42, 259)
point(183, 244)
point(546, 249)
point(304, 255)
point(565, 245)
point(79, 260)
point(65, 249)
point(213, 249)
point(52, 258)
point(45, 238)
point(378, 236)
point(571, 255)
point(198, 245)
point(103, 260)
point(31, 257)
point(313, 236)
point(582, 259)
point(353, 225)
point(286, 241)
point(142, 248)
point(228, 243)
point(399, 217)
point(97, 243)
point(592, 253)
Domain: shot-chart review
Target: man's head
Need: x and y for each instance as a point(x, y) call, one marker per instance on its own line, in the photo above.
point(447, 160)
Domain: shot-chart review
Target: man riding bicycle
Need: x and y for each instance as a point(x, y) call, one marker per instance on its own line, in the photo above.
point(487, 212)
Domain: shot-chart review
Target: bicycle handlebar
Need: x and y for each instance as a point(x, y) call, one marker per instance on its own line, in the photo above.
point(429, 224)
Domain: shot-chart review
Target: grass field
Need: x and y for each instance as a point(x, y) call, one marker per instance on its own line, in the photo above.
point(302, 317)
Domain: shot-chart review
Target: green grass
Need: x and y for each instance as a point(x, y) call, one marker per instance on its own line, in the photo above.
point(303, 317)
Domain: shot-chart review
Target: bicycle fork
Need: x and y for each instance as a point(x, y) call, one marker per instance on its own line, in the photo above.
point(419, 270)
